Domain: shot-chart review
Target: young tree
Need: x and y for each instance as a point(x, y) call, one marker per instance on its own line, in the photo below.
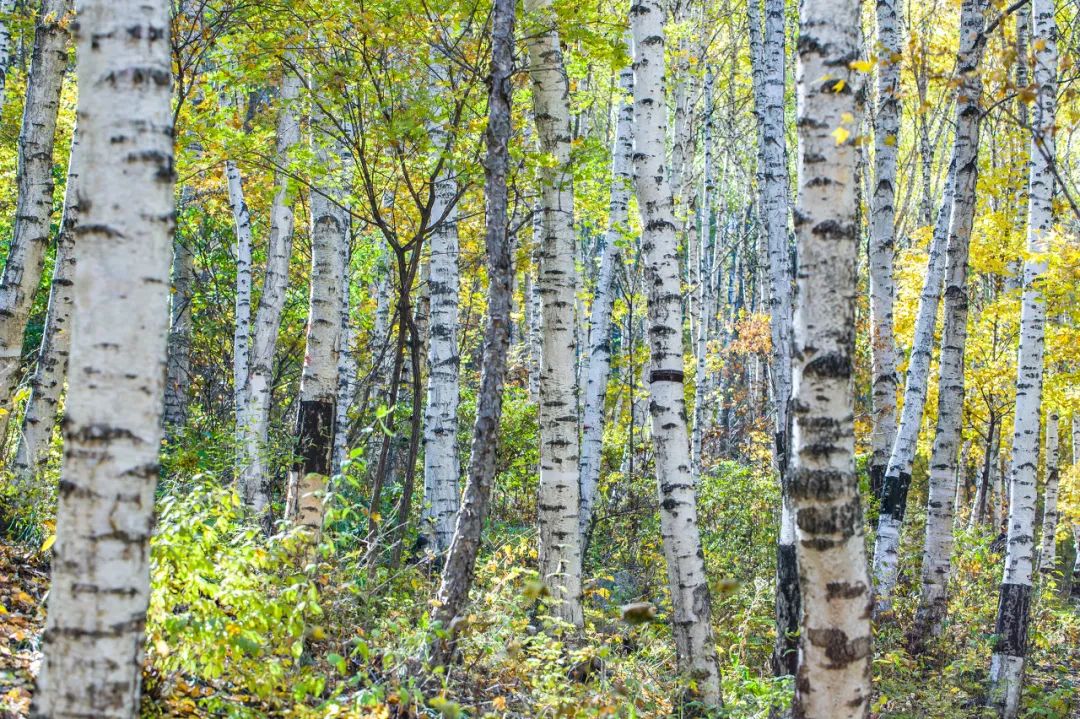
point(598, 360)
point(1011, 629)
point(34, 182)
point(6, 6)
point(457, 574)
point(954, 331)
point(835, 640)
point(882, 253)
point(178, 361)
point(253, 414)
point(560, 495)
point(1048, 551)
point(768, 77)
point(687, 582)
point(319, 377)
point(93, 642)
point(52, 366)
point(442, 471)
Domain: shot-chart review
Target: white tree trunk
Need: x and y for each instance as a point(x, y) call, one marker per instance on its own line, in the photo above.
point(52, 366)
point(1048, 552)
point(93, 641)
point(598, 360)
point(242, 320)
point(347, 368)
point(34, 183)
point(700, 284)
point(1011, 629)
point(442, 469)
point(834, 666)
point(558, 507)
point(882, 252)
point(964, 169)
point(775, 191)
point(695, 649)
point(6, 6)
point(254, 414)
point(319, 378)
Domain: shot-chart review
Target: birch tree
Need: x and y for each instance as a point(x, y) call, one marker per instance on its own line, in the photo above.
point(775, 190)
point(835, 641)
point(253, 415)
point(178, 358)
point(1011, 629)
point(1048, 551)
point(34, 185)
point(93, 641)
point(460, 567)
point(598, 360)
point(442, 471)
point(47, 383)
point(882, 253)
point(695, 649)
point(954, 331)
point(6, 6)
point(558, 506)
point(319, 377)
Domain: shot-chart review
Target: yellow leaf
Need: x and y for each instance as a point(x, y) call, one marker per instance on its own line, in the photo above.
point(47, 544)
point(839, 86)
point(847, 117)
point(862, 65)
point(841, 134)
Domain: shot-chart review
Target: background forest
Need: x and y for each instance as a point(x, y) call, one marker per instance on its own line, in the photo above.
point(492, 383)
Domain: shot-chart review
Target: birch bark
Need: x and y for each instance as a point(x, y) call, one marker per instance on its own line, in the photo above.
point(93, 641)
point(1048, 552)
point(598, 361)
point(695, 648)
point(559, 502)
point(833, 679)
point(34, 182)
point(1011, 629)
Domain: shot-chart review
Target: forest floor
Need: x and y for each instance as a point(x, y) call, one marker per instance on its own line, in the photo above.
point(906, 689)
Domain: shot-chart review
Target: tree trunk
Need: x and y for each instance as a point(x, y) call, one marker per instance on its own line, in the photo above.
point(242, 329)
point(34, 182)
point(460, 565)
point(954, 332)
point(314, 434)
point(700, 285)
point(695, 649)
point(178, 362)
point(775, 191)
point(1048, 552)
point(347, 367)
point(598, 361)
point(93, 641)
point(981, 505)
point(442, 471)
point(1011, 630)
point(6, 6)
point(882, 252)
point(254, 416)
point(835, 642)
point(558, 507)
point(52, 366)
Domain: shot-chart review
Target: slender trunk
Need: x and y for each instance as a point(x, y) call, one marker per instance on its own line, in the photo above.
point(34, 183)
point(347, 368)
point(253, 479)
point(242, 319)
point(835, 642)
point(460, 565)
point(178, 362)
point(775, 191)
point(882, 253)
point(442, 469)
point(980, 506)
point(6, 6)
point(558, 506)
point(954, 332)
point(315, 417)
point(52, 367)
point(1048, 552)
point(598, 360)
point(695, 649)
point(700, 286)
point(1011, 630)
point(93, 640)
point(532, 311)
